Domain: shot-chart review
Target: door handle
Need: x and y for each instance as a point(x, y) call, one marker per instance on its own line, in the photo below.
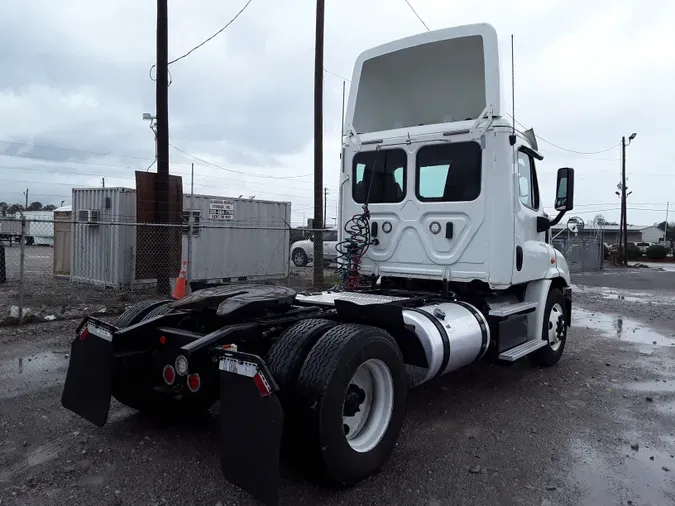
point(373, 229)
point(449, 230)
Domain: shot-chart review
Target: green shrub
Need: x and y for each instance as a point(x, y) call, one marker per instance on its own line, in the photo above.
point(633, 252)
point(656, 252)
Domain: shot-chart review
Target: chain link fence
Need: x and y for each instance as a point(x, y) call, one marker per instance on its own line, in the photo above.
point(64, 268)
point(584, 253)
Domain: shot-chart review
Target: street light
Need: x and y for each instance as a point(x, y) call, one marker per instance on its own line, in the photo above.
point(152, 118)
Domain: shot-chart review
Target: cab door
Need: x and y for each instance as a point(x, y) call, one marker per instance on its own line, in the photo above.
point(532, 258)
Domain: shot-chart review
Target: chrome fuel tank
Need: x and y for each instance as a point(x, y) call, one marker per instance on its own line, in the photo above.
point(453, 334)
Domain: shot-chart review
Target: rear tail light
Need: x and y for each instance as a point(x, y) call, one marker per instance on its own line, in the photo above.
point(84, 334)
point(169, 374)
point(194, 382)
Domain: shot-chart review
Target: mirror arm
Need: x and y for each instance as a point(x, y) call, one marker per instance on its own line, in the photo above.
point(557, 219)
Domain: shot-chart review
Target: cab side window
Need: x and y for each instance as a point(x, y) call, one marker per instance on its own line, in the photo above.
point(528, 187)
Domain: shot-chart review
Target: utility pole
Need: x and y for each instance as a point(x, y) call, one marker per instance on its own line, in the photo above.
point(103, 182)
point(665, 226)
point(318, 144)
point(162, 122)
point(26, 193)
point(624, 221)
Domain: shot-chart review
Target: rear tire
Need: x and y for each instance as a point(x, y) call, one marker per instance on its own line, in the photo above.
point(350, 428)
point(137, 312)
point(288, 353)
point(158, 311)
point(554, 330)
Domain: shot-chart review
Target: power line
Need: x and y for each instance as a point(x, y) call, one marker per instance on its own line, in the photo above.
point(336, 75)
point(566, 149)
point(212, 36)
point(263, 176)
point(418, 16)
point(74, 150)
point(119, 166)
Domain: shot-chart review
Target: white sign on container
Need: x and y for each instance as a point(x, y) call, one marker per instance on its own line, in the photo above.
point(220, 209)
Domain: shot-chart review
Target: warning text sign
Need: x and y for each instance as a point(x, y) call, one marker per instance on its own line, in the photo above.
point(220, 209)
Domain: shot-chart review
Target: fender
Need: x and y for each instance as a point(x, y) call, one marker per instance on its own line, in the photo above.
point(537, 291)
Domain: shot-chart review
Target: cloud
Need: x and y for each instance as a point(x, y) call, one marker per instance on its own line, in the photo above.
point(75, 75)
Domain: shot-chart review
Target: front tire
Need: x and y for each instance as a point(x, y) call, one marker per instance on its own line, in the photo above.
point(299, 257)
point(351, 394)
point(554, 330)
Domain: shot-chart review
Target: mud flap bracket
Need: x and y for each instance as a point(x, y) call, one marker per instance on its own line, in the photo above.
point(251, 426)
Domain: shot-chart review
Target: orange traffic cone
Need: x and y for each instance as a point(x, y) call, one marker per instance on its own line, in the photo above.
point(180, 289)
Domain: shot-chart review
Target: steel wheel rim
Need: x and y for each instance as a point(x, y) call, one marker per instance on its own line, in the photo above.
point(556, 322)
point(298, 258)
point(366, 428)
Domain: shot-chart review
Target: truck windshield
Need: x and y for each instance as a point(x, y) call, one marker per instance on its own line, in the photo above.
point(448, 172)
point(388, 183)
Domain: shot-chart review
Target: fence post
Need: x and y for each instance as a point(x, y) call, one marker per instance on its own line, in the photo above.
point(22, 255)
point(188, 274)
point(288, 264)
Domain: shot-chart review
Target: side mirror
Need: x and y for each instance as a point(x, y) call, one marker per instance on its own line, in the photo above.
point(564, 193)
point(311, 238)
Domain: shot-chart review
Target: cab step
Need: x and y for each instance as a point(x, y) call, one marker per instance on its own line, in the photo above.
point(504, 310)
point(521, 350)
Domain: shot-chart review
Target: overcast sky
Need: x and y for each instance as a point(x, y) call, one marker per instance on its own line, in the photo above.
point(75, 76)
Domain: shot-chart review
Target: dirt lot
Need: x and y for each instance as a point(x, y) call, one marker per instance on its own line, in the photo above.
point(46, 296)
point(598, 429)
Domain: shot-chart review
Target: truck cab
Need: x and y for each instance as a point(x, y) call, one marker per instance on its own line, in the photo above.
point(450, 185)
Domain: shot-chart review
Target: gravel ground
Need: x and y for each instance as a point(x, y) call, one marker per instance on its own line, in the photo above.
point(597, 429)
point(46, 296)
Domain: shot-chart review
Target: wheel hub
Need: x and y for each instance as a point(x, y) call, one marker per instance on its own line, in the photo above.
point(368, 405)
point(556, 327)
point(353, 400)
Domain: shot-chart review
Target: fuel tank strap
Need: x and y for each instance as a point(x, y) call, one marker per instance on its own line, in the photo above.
point(444, 338)
point(481, 324)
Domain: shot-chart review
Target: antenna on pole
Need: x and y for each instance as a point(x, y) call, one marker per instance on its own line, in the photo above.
point(512, 138)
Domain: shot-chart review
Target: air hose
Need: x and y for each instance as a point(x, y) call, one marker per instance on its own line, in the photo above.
point(357, 238)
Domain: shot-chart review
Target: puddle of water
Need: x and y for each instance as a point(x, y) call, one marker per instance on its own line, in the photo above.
point(622, 328)
point(659, 386)
point(622, 475)
point(628, 296)
point(31, 372)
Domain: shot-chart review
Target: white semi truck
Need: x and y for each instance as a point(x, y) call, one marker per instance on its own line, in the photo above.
point(445, 260)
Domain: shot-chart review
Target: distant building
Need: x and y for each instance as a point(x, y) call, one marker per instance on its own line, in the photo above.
point(611, 233)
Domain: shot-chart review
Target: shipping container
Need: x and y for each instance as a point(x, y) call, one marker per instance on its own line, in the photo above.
point(231, 239)
point(102, 248)
point(63, 238)
point(237, 238)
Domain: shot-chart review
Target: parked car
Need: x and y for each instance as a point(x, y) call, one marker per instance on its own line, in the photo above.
point(302, 252)
point(643, 246)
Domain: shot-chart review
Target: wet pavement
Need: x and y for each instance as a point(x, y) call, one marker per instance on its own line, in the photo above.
point(598, 429)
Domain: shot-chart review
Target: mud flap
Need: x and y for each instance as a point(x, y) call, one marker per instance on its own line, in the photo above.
point(251, 426)
point(88, 386)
